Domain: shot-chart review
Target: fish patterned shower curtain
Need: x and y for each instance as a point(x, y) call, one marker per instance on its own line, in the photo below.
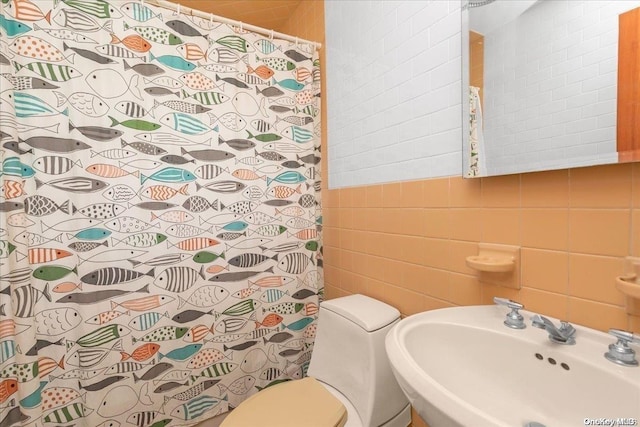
point(160, 227)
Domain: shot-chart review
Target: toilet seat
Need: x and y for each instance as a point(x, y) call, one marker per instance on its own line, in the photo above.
point(306, 402)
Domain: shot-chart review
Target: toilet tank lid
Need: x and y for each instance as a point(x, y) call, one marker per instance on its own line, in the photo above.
point(368, 313)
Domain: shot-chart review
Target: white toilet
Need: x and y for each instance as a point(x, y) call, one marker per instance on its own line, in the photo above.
point(350, 381)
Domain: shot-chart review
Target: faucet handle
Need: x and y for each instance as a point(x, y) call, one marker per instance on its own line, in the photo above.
point(620, 352)
point(514, 319)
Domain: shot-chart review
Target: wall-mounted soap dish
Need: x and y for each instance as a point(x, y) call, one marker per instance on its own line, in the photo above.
point(629, 285)
point(497, 264)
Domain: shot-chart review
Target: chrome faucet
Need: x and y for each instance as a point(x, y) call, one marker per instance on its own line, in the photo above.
point(620, 352)
point(514, 319)
point(562, 335)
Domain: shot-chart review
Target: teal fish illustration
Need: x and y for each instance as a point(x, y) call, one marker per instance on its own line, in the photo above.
point(194, 408)
point(169, 174)
point(103, 335)
point(186, 124)
point(139, 12)
point(182, 353)
point(157, 35)
point(236, 43)
point(288, 177)
point(13, 28)
point(7, 350)
point(53, 272)
point(35, 398)
point(164, 333)
point(90, 234)
point(27, 105)
point(98, 8)
point(14, 167)
point(174, 62)
point(298, 134)
point(299, 325)
point(56, 73)
point(290, 84)
point(136, 124)
point(234, 226)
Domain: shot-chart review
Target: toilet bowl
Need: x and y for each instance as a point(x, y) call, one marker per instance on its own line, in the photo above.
point(350, 382)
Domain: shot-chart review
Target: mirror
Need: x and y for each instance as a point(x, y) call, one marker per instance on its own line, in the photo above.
point(549, 84)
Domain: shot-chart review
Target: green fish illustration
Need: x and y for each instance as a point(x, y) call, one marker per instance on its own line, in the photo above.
point(22, 372)
point(56, 73)
point(311, 246)
point(68, 413)
point(204, 257)
point(155, 34)
point(239, 309)
point(97, 8)
point(6, 248)
point(136, 124)
point(53, 272)
point(103, 335)
point(164, 333)
point(278, 64)
point(265, 137)
point(235, 43)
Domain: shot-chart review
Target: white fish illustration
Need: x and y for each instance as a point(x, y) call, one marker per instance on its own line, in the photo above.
point(56, 321)
point(19, 219)
point(122, 399)
point(246, 105)
point(109, 83)
point(86, 103)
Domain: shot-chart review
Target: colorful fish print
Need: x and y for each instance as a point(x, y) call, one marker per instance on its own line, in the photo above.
point(174, 62)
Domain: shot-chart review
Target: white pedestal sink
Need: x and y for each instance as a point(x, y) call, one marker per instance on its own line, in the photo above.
point(463, 367)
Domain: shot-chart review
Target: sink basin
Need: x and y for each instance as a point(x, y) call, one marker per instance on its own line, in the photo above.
point(463, 367)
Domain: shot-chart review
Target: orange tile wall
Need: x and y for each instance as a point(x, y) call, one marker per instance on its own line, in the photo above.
point(405, 243)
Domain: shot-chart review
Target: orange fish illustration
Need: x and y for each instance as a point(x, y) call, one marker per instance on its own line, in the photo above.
point(7, 328)
point(247, 175)
point(67, 287)
point(262, 71)
point(282, 192)
point(36, 48)
point(12, 189)
point(271, 281)
point(109, 171)
point(310, 331)
point(46, 365)
point(133, 42)
point(40, 255)
point(197, 81)
point(7, 388)
point(197, 333)
point(215, 269)
point(106, 316)
point(305, 97)
point(306, 234)
point(191, 52)
point(162, 192)
point(311, 308)
point(141, 353)
point(244, 293)
point(25, 10)
point(195, 243)
point(144, 303)
point(301, 74)
point(270, 320)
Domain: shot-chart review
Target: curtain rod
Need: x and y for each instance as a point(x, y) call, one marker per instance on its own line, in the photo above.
point(193, 12)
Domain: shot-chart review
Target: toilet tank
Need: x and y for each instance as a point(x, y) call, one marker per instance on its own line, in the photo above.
point(349, 354)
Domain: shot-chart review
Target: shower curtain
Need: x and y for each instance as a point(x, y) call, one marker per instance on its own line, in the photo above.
point(160, 229)
point(476, 137)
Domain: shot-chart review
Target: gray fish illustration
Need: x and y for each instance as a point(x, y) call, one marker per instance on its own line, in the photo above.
point(97, 296)
point(295, 263)
point(237, 144)
point(292, 164)
point(193, 391)
point(55, 165)
point(161, 260)
point(131, 109)
point(101, 384)
point(278, 202)
point(24, 299)
point(248, 260)
point(14, 416)
point(86, 246)
point(198, 204)
point(303, 293)
point(40, 206)
point(102, 210)
point(90, 55)
point(239, 347)
point(55, 145)
point(307, 201)
point(174, 159)
point(11, 206)
point(178, 279)
point(144, 147)
point(296, 56)
point(184, 29)
point(209, 171)
point(233, 81)
point(147, 70)
point(42, 344)
point(97, 133)
point(270, 92)
point(208, 155)
point(125, 367)
point(14, 146)
point(189, 315)
point(117, 51)
point(153, 372)
point(28, 83)
point(75, 184)
point(4, 60)
point(279, 108)
point(309, 159)
point(160, 91)
point(280, 337)
point(236, 276)
point(163, 388)
point(229, 235)
point(107, 276)
point(271, 155)
point(154, 206)
point(222, 186)
point(181, 106)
